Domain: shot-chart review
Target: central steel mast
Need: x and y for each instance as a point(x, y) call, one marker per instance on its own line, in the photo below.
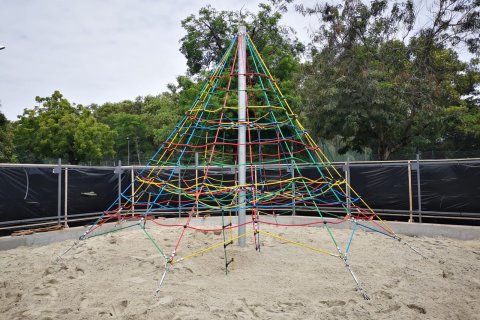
point(242, 111)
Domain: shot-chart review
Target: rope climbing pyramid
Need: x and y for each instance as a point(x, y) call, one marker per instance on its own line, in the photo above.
point(240, 153)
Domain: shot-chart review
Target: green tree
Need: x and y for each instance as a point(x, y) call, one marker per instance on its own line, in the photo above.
point(57, 129)
point(369, 87)
point(131, 132)
point(7, 151)
point(209, 34)
point(143, 124)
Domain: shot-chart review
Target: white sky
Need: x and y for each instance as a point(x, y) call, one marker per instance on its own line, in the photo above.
point(96, 51)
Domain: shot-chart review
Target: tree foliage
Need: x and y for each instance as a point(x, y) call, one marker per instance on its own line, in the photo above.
point(374, 78)
point(210, 32)
point(7, 152)
point(372, 84)
point(57, 129)
point(143, 124)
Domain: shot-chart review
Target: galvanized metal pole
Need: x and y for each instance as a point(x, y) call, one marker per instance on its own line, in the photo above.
point(348, 191)
point(294, 209)
point(179, 191)
point(128, 151)
point(242, 111)
point(59, 199)
point(65, 201)
point(138, 151)
point(196, 181)
point(119, 171)
point(132, 183)
point(410, 195)
point(419, 195)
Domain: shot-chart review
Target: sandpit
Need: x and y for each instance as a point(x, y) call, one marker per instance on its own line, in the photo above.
point(114, 277)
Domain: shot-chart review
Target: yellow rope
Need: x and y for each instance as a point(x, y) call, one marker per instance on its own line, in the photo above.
point(317, 149)
point(298, 243)
point(211, 247)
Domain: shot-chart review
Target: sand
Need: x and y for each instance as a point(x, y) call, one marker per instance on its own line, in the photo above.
point(115, 277)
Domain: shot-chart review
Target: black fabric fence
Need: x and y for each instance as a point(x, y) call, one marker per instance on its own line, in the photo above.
point(31, 194)
point(445, 188)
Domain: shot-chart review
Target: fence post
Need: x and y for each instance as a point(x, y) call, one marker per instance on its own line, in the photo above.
point(410, 196)
point(65, 209)
point(347, 189)
point(196, 182)
point(132, 183)
point(179, 191)
point(419, 196)
point(293, 189)
point(118, 171)
point(58, 170)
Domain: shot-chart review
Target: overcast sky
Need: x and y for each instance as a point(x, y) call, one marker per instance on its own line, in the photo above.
point(96, 51)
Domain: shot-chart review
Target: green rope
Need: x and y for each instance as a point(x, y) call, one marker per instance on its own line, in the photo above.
point(154, 243)
point(224, 247)
point(252, 51)
point(112, 231)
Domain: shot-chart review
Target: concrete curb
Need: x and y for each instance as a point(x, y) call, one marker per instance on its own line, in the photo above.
point(401, 228)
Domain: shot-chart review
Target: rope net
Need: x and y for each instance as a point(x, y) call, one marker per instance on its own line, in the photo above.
point(195, 170)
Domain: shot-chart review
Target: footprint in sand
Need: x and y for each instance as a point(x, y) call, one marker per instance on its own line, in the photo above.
point(386, 295)
point(188, 269)
point(65, 311)
point(166, 300)
point(49, 292)
point(392, 284)
point(79, 271)
point(285, 306)
point(290, 304)
point(244, 313)
point(333, 303)
point(417, 308)
point(395, 307)
point(252, 308)
point(54, 269)
point(13, 297)
point(118, 308)
point(48, 271)
point(84, 303)
point(446, 274)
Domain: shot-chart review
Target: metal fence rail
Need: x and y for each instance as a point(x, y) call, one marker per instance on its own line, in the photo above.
point(416, 190)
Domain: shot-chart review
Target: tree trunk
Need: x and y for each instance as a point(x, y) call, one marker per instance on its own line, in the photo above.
point(72, 159)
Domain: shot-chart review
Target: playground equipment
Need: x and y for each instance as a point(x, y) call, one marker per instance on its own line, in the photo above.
point(239, 150)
